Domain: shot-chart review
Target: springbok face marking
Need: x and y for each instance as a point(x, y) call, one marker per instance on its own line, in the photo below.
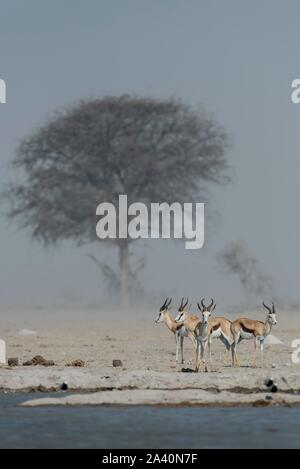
point(162, 311)
point(205, 316)
point(182, 314)
point(271, 315)
point(206, 310)
point(160, 317)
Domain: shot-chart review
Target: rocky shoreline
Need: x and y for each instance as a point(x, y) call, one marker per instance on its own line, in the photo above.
point(110, 386)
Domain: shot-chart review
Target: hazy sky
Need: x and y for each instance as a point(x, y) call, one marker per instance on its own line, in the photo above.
point(236, 57)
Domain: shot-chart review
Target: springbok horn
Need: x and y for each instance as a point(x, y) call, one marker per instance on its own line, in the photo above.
point(169, 302)
point(212, 302)
point(187, 300)
point(181, 304)
point(164, 305)
point(273, 306)
point(267, 307)
point(199, 306)
point(202, 303)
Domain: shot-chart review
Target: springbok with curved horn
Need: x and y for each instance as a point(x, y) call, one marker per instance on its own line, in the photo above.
point(218, 327)
point(244, 328)
point(190, 321)
point(178, 329)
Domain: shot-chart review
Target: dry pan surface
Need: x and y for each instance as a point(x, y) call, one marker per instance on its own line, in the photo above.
point(149, 374)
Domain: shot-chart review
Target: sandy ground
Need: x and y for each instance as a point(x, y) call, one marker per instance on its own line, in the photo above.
point(147, 350)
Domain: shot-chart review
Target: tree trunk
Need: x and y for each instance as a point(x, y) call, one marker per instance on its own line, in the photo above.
point(247, 295)
point(124, 273)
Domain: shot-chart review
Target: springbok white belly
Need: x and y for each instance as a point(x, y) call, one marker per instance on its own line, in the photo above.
point(246, 335)
point(216, 333)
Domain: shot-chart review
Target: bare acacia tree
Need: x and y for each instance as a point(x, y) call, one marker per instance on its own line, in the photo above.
point(151, 150)
point(237, 259)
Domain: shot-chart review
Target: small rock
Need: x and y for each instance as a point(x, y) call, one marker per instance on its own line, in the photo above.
point(13, 362)
point(269, 382)
point(48, 363)
point(268, 397)
point(271, 385)
point(42, 388)
point(64, 386)
point(274, 388)
point(273, 365)
point(79, 363)
point(39, 360)
point(187, 370)
point(117, 363)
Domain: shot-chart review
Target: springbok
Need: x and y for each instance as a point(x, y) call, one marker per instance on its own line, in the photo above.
point(178, 329)
point(244, 328)
point(189, 321)
point(218, 327)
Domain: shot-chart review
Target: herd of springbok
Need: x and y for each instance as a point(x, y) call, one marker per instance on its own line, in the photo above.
point(202, 331)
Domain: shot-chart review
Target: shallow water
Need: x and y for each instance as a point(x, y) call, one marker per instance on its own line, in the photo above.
point(146, 427)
